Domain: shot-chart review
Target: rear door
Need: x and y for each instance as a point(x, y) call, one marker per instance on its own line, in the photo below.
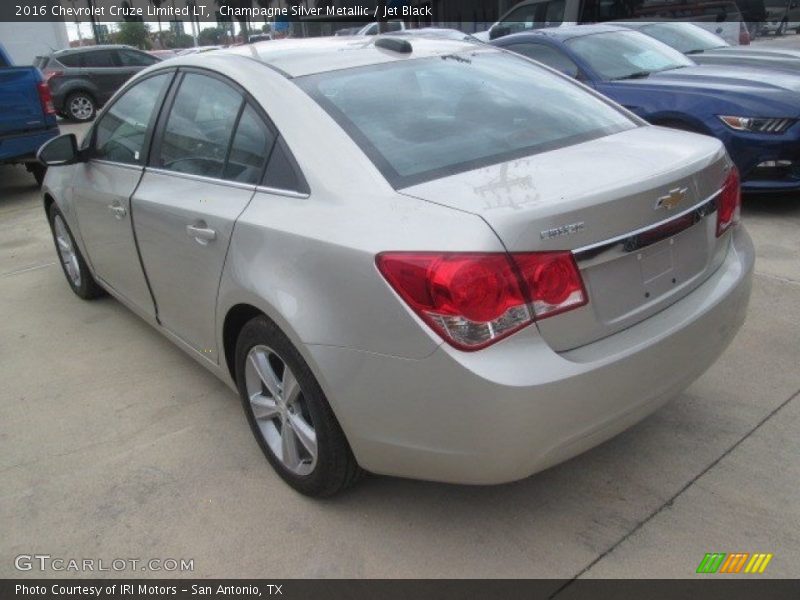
point(103, 187)
point(209, 155)
point(103, 70)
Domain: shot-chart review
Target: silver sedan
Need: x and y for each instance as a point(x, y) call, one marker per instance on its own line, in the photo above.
point(418, 257)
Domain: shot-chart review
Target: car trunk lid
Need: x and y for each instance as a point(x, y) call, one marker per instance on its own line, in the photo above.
point(635, 208)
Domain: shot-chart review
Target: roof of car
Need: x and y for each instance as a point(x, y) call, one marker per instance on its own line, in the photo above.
point(565, 32)
point(93, 48)
point(305, 56)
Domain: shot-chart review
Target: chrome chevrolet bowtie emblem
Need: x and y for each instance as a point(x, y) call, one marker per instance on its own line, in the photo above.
point(673, 199)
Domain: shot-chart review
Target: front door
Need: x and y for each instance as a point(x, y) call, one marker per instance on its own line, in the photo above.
point(205, 166)
point(103, 187)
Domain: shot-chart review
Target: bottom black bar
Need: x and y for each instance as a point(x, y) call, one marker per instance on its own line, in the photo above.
point(702, 588)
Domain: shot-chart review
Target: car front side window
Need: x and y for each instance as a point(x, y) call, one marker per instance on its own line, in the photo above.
point(131, 58)
point(200, 127)
point(121, 132)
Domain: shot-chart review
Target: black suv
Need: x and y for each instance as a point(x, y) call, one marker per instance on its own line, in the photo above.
point(83, 79)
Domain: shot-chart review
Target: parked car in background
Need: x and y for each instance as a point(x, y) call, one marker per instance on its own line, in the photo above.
point(27, 115)
point(347, 31)
point(198, 50)
point(427, 275)
point(782, 17)
point(84, 79)
point(719, 16)
point(707, 48)
point(163, 54)
point(373, 28)
point(754, 111)
point(442, 33)
point(259, 37)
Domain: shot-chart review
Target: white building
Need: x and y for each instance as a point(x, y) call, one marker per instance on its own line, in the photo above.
point(24, 41)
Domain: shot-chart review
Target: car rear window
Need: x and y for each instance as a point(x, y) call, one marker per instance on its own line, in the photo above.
point(427, 118)
point(70, 60)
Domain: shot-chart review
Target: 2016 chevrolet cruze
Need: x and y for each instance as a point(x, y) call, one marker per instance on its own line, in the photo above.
point(424, 258)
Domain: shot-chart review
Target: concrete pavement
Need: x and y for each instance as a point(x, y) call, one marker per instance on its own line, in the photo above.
point(114, 444)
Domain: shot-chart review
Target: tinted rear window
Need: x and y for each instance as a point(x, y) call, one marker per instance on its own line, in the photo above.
point(98, 58)
point(70, 60)
point(427, 118)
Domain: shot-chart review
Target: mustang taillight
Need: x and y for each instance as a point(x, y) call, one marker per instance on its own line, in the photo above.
point(46, 98)
point(729, 202)
point(475, 299)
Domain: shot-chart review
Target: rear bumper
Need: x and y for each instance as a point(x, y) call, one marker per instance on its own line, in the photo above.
point(23, 147)
point(515, 408)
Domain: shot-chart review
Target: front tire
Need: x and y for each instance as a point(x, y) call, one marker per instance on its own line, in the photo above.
point(72, 263)
point(80, 106)
point(289, 414)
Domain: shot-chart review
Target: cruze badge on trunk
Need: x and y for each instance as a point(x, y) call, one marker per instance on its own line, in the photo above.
point(548, 234)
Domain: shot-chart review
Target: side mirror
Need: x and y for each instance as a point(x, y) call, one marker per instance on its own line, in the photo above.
point(60, 151)
point(499, 31)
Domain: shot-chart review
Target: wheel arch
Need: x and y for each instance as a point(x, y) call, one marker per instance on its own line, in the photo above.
point(47, 201)
point(235, 318)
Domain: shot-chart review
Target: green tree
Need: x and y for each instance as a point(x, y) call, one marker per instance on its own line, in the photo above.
point(133, 34)
point(211, 36)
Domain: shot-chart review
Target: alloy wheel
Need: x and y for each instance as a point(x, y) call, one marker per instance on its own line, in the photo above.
point(280, 411)
point(66, 251)
point(81, 108)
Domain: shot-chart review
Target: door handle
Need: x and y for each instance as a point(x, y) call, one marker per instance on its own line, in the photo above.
point(118, 210)
point(203, 235)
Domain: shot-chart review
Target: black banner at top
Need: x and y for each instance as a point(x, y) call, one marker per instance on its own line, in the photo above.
point(211, 10)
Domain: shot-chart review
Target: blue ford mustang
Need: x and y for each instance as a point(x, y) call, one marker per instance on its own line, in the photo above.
point(754, 112)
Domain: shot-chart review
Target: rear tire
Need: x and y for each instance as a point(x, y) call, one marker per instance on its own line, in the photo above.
point(69, 255)
point(319, 461)
point(80, 107)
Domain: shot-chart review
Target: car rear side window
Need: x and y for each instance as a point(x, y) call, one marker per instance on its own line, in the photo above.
point(251, 146)
point(200, 127)
point(131, 58)
point(427, 118)
point(282, 171)
point(97, 59)
point(70, 60)
point(121, 132)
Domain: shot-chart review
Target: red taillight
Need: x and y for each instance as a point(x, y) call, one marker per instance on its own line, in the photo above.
point(46, 98)
point(744, 35)
point(48, 75)
point(553, 281)
point(473, 300)
point(729, 202)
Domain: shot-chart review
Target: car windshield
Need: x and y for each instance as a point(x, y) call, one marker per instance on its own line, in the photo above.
point(626, 54)
point(684, 37)
point(422, 119)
